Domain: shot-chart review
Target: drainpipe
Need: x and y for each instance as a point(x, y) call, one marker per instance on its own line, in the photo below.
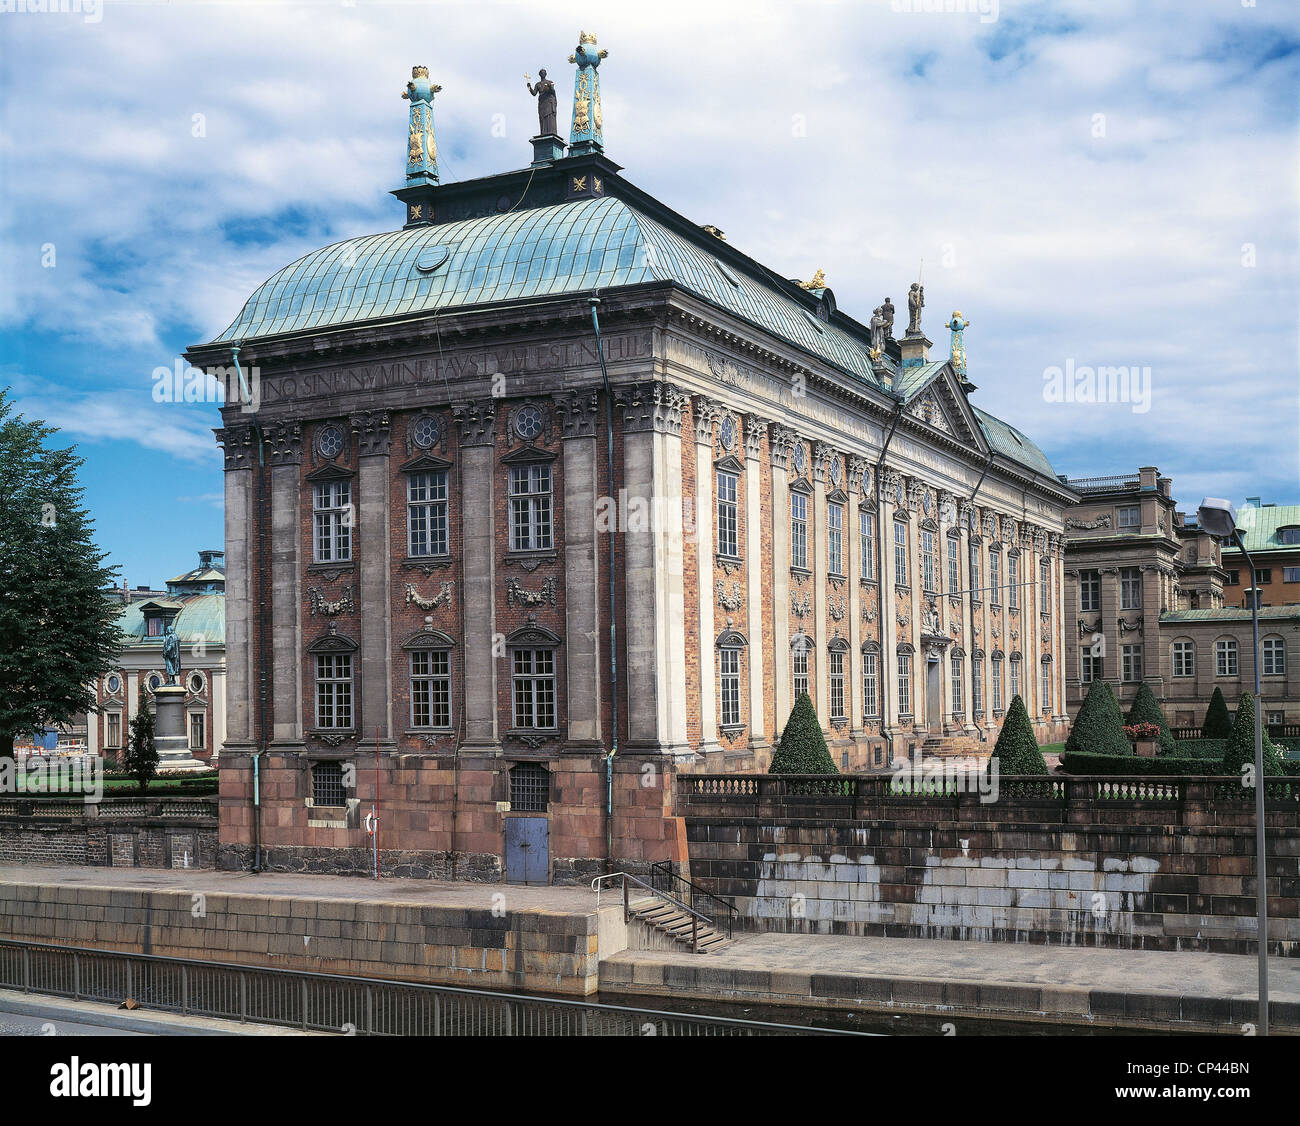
point(594, 302)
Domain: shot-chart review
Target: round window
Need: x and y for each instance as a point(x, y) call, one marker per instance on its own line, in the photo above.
point(835, 472)
point(800, 459)
point(155, 682)
point(114, 685)
point(424, 433)
point(196, 682)
point(728, 433)
point(330, 441)
point(528, 422)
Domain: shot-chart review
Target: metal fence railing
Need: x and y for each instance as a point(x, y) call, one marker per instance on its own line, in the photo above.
point(346, 1005)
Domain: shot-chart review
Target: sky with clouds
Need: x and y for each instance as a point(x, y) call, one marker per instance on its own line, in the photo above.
point(1091, 183)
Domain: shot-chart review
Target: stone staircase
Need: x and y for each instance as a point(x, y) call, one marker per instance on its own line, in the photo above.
point(676, 924)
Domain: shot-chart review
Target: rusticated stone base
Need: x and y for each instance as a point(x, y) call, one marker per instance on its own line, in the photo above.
point(477, 867)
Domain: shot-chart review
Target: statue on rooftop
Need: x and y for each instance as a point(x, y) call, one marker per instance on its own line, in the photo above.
point(915, 303)
point(586, 134)
point(877, 332)
point(544, 92)
point(887, 310)
point(817, 281)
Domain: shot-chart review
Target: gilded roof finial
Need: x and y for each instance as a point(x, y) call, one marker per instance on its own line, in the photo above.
point(818, 281)
point(586, 134)
point(422, 149)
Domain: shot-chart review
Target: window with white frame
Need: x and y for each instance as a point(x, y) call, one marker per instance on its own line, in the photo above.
point(799, 531)
point(1045, 686)
point(867, 543)
point(1130, 516)
point(995, 577)
point(426, 513)
point(1130, 663)
point(977, 685)
point(1184, 658)
point(838, 709)
point(954, 564)
point(198, 725)
point(430, 688)
point(1274, 653)
point(928, 558)
point(332, 510)
point(900, 553)
point(1089, 666)
point(957, 686)
point(1013, 582)
point(905, 683)
point(1291, 574)
point(333, 690)
point(728, 514)
point(113, 729)
point(997, 684)
point(835, 539)
point(1089, 590)
point(1225, 658)
point(729, 677)
point(530, 507)
point(799, 670)
point(1044, 586)
point(870, 687)
point(1130, 588)
point(1015, 676)
point(534, 688)
point(976, 593)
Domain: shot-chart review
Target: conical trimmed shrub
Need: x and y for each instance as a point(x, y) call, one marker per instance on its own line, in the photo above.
point(1016, 749)
point(1146, 709)
point(802, 749)
point(1240, 748)
point(1218, 723)
point(1098, 729)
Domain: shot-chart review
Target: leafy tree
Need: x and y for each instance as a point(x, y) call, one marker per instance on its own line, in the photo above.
point(1016, 749)
point(140, 761)
point(1099, 727)
point(58, 629)
point(1218, 723)
point(1240, 748)
point(802, 749)
point(1146, 709)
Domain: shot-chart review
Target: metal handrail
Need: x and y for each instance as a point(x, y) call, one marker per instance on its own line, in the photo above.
point(664, 867)
point(696, 916)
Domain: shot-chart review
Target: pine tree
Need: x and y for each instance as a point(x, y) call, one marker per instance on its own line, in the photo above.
point(58, 630)
point(1240, 748)
point(802, 749)
point(1016, 749)
point(1146, 709)
point(1218, 723)
point(141, 758)
point(1099, 728)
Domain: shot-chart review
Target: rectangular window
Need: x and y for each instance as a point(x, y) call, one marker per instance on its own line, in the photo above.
point(156, 627)
point(799, 670)
point(977, 595)
point(837, 685)
point(1013, 582)
point(954, 565)
point(728, 520)
point(835, 539)
point(1130, 588)
point(1274, 663)
point(1254, 599)
point(1044, 586)
point(332, 508)
point(1265, 574)
point(870, 687)
point(430, 688)
point(197, 731)
point(928, 558)
point(1045, 687)
point(1130, 658)
point(1184, 654)
point(799, 531)
point(113, 729)
point(530, 507)
point(1015, 677)
point(867, 544)
point(1225, 658)
point(1291, 574)
point(1130, 516)
point(1089, 667)
point(1089, 590)
point(995, 578)
point(997, 686)
point(1234, 578)
point(426, 513)
point(534, 688)
point(905, 683)
point(958, 706)
point(977, 685)
point(327, 785)
point(729, 672)
point(900, 553)
point(334, 691)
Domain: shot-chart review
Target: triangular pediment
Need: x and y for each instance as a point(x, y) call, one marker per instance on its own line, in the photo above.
point(939, 403)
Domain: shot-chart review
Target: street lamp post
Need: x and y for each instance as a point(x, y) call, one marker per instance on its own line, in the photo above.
point(1218, 518)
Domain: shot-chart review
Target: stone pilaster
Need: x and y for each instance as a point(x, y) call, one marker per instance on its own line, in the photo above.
point(755, 433)
point(706, 413)
point(240, 451)
point(858, 468)
point(817, 548)
point(283, 451)
point(374, 447)
point(780, 444)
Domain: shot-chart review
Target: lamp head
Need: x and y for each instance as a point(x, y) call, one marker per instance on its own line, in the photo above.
point(1217, 517)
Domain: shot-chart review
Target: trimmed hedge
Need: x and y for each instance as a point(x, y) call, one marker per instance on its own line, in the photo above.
point(1099, 727)
point(1146, 709)
point(1199, 748)
point(1240, 748)
point(1016, 749)
point(1079, 762)
point(802, 749)
point(1218, 723)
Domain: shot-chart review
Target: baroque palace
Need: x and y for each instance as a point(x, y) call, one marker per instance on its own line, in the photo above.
point(552, 494)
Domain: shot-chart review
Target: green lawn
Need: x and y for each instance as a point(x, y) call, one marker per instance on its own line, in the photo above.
point(1052, 748)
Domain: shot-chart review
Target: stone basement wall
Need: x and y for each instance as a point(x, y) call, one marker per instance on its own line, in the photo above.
point(944, 868)
point(111, 834)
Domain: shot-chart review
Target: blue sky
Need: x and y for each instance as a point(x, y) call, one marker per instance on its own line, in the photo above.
point(1089, 183)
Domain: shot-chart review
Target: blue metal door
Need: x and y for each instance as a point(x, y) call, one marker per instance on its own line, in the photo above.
point(528, 859)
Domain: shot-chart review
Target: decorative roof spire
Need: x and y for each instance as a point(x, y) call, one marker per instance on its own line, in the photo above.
point(422, 149)
point(957, 325)
point(585, 135)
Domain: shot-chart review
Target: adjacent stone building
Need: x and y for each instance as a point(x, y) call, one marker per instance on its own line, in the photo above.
point(553, 493)
point(1271, 533)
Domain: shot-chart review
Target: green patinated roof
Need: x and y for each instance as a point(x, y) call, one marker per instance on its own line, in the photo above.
point(1230, 614)
point(202, 616)
point(914, 379)
point(1259, 527)
point(1011, 443)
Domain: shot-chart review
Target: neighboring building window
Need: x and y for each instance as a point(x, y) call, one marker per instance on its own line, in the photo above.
point(1254, 599)
point(1130, 516)
point(905, 683)
point(1089, 667)
point(1015, 676)
point(867, 544)
point(954, 565)
point(1234, 578)
point(870, 687)
point(1044, 586)
point(1225, 658)
point(530, 507)
point(835, 539)
point(1275, 718)
point(156, 627)
point(976, 593)
point(957, 706)
point(928, 562)
point(977, 685)
point(430, 688)
point(1288, 535)
point(1291, 574)
point(426, 513)
point(1265, 575)
point(327, 785)
point(798, 531)
point(837, 684)
point(197, 731)
point(995, 577)
point(1130, 588)
point(1274, 663)
point(332, 506)
point(534, 688)
point(1045, 687)
point(728, 534)
point(1130, 657)
point(900, 553)
point(530, 787)
point(334, 690)
point(1089, 590)
point(729, 672)
point(113, 729)
point(1013, 582)
point(997, 684)
point(1184, 654)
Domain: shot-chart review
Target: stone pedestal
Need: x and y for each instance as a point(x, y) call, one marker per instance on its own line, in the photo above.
point(170, 735)
point(547, 149)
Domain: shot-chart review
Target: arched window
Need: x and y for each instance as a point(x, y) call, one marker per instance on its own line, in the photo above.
point(530, 787)
point(729, 645)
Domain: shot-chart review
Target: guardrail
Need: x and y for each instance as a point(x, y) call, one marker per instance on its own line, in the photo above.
point(171, 807)
point(345, 1005)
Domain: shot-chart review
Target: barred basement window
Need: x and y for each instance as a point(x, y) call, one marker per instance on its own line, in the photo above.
point(534, 688)
point(530, 507)
point(837, 685)
point(728, 535)
point(332, 509)
point(867, 544)
point(835, 539)
point(430, 688)
point(799, 531)
point(334, 690)
point(1013, 581)
point(870, 687)
point(327, 784)
point(426, 513)
point(530, 788)
point(729, 675)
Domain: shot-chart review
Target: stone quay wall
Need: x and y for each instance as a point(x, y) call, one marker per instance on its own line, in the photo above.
point(1173, 869)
